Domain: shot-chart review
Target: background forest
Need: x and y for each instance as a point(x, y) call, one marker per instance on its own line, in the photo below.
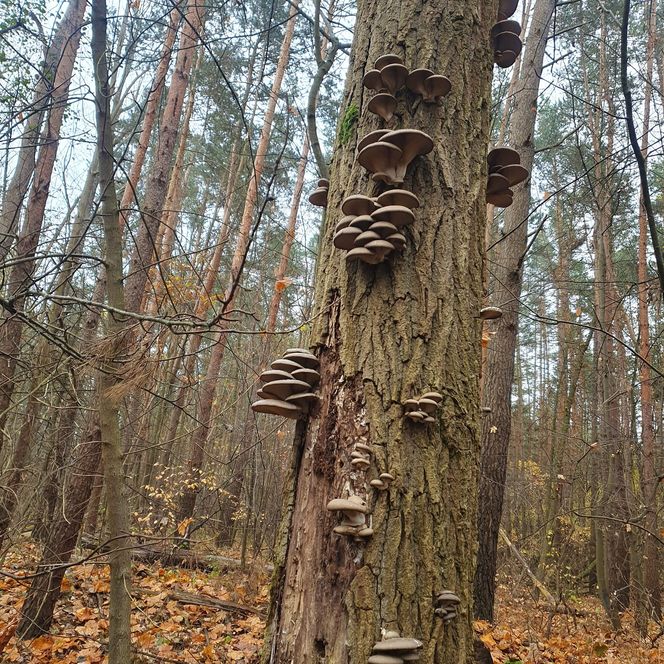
point(131, 344)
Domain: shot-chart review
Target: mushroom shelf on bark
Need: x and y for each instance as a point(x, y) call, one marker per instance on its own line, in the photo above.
point(395, 649)
point(382, 482)
point(353, 524)
point(389, 74)
point(431, 87)
point(288, 385)
point(387, 154)
point(318, 196)
point(505, 36)
point(491, 313)
point(505, 171)
point(446, 604)
point(422, 409)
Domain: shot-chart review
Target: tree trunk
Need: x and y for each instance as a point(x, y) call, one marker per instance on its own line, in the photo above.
point(507, 267)
point(385, 334)
point(21, 274)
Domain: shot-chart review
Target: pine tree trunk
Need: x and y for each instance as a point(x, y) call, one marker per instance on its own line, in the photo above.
point(507, 267)
point(385, 334)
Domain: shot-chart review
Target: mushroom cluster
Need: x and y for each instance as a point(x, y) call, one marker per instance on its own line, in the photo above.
point(394, 649)
point(354, 524)
point(431, 87)
point(382, 482)
point(388, 76)
point(371, 227)
point(505, 37)
point(360, 457)
point(505, 171)
point(318, 196)
point(446, 605)
point(423, 408)
point(288, 385)
point(387, 154)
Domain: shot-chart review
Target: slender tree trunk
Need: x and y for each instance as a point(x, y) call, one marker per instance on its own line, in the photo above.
point(21, 274)
point(209, 385)
point(385, 334)
point(507, 267)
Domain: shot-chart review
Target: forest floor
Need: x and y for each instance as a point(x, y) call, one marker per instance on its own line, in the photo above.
point(168, 628)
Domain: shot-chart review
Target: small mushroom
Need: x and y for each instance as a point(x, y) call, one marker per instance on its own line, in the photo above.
point(319, 195)
point(389, 74)
point(357, 205)
point(305, 359)
point(506, 8)
point(383, 104)
point(396, 647)
point(431, 87)
point(423, 408)
point(363, 448)
point(485, 410)
point(382, 482)
point(284, 388)
point(276, 407)
point(354, 510)
point(505, 171)
point(398, 197)
point(310, 376)
point(491, 313)
point(397, 215)
point(446, 603)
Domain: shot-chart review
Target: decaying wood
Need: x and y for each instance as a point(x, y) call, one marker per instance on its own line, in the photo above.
point(201, 599)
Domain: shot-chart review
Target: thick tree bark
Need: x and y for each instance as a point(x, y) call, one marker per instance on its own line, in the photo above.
point(385, 334)
point(507, 268)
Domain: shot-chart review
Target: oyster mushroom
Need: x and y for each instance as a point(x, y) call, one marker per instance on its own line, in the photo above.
point(491, 313)
point(431, 87)
point(276, 407)
point(506, 8)
point(319, 195)
point(389, 74)
point(383, 104)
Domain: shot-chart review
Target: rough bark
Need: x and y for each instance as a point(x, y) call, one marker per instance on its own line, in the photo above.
point(507, 268)
point(384, 334)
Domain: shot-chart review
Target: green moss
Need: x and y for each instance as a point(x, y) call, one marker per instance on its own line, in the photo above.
point(348, 122)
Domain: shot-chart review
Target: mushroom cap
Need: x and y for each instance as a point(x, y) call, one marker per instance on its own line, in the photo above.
point(411, 403)
point(350, 504)
point(485, 409)
point(514, 173)
point(356, 454)
point(386, 477)
point(274, 374)
point(398, 215)
point(397, 645)
point(324, 182)
point(306, 359)
point(345, 529)
point(501, 199)
point(490, 313)
point(363, 447)
point(310, 376)
point(503, 156)
point(505, 59)
point(303, 399)
point(398, 240)
point(344, 222)
point(363, 222)
point(284, 388)
point(380, 246)
point(365, 237)
point(285, 364)
point(383, 228)
point(507, 41)
point(358, 204)
point(384, 659)
point(372, 80)
point(394, 76)
point(416, 78)
point(383, 104)
point(429, 406)
point(497, 183)
point(412, 142)
point(448, 597)
point(319, 197)
point(506, 26)
point(378, 484)
point(387, 59)
point(361, 253)
point(416, 415)
point(436, 86)
point(380, 158)
point(345, 238)
point(360, 463)
point(290, 351)
point(364, 532)
point(276, 407)
point(434, 396)
point(398, 197)
point(371, 137)
point(506, 8)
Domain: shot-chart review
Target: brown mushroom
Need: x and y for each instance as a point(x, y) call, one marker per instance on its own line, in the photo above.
point(284, 388)
point(393, 76)
point(513, 173)
point(284, 364)
point(345, 238)
point(383, 104)
point(274, 374)
point(357, 204)
point(490, 313)
point(507, 46)
point(276, 407)
point(371, 137)
point(319, 195)
point(304, 359)
point(344, 222)
point(398, 197)
point(382, 160)
point(506, 8)
point(397, 215)
point(431, 87)
point(303, 400)
point(310, 376)
point(363, 222)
